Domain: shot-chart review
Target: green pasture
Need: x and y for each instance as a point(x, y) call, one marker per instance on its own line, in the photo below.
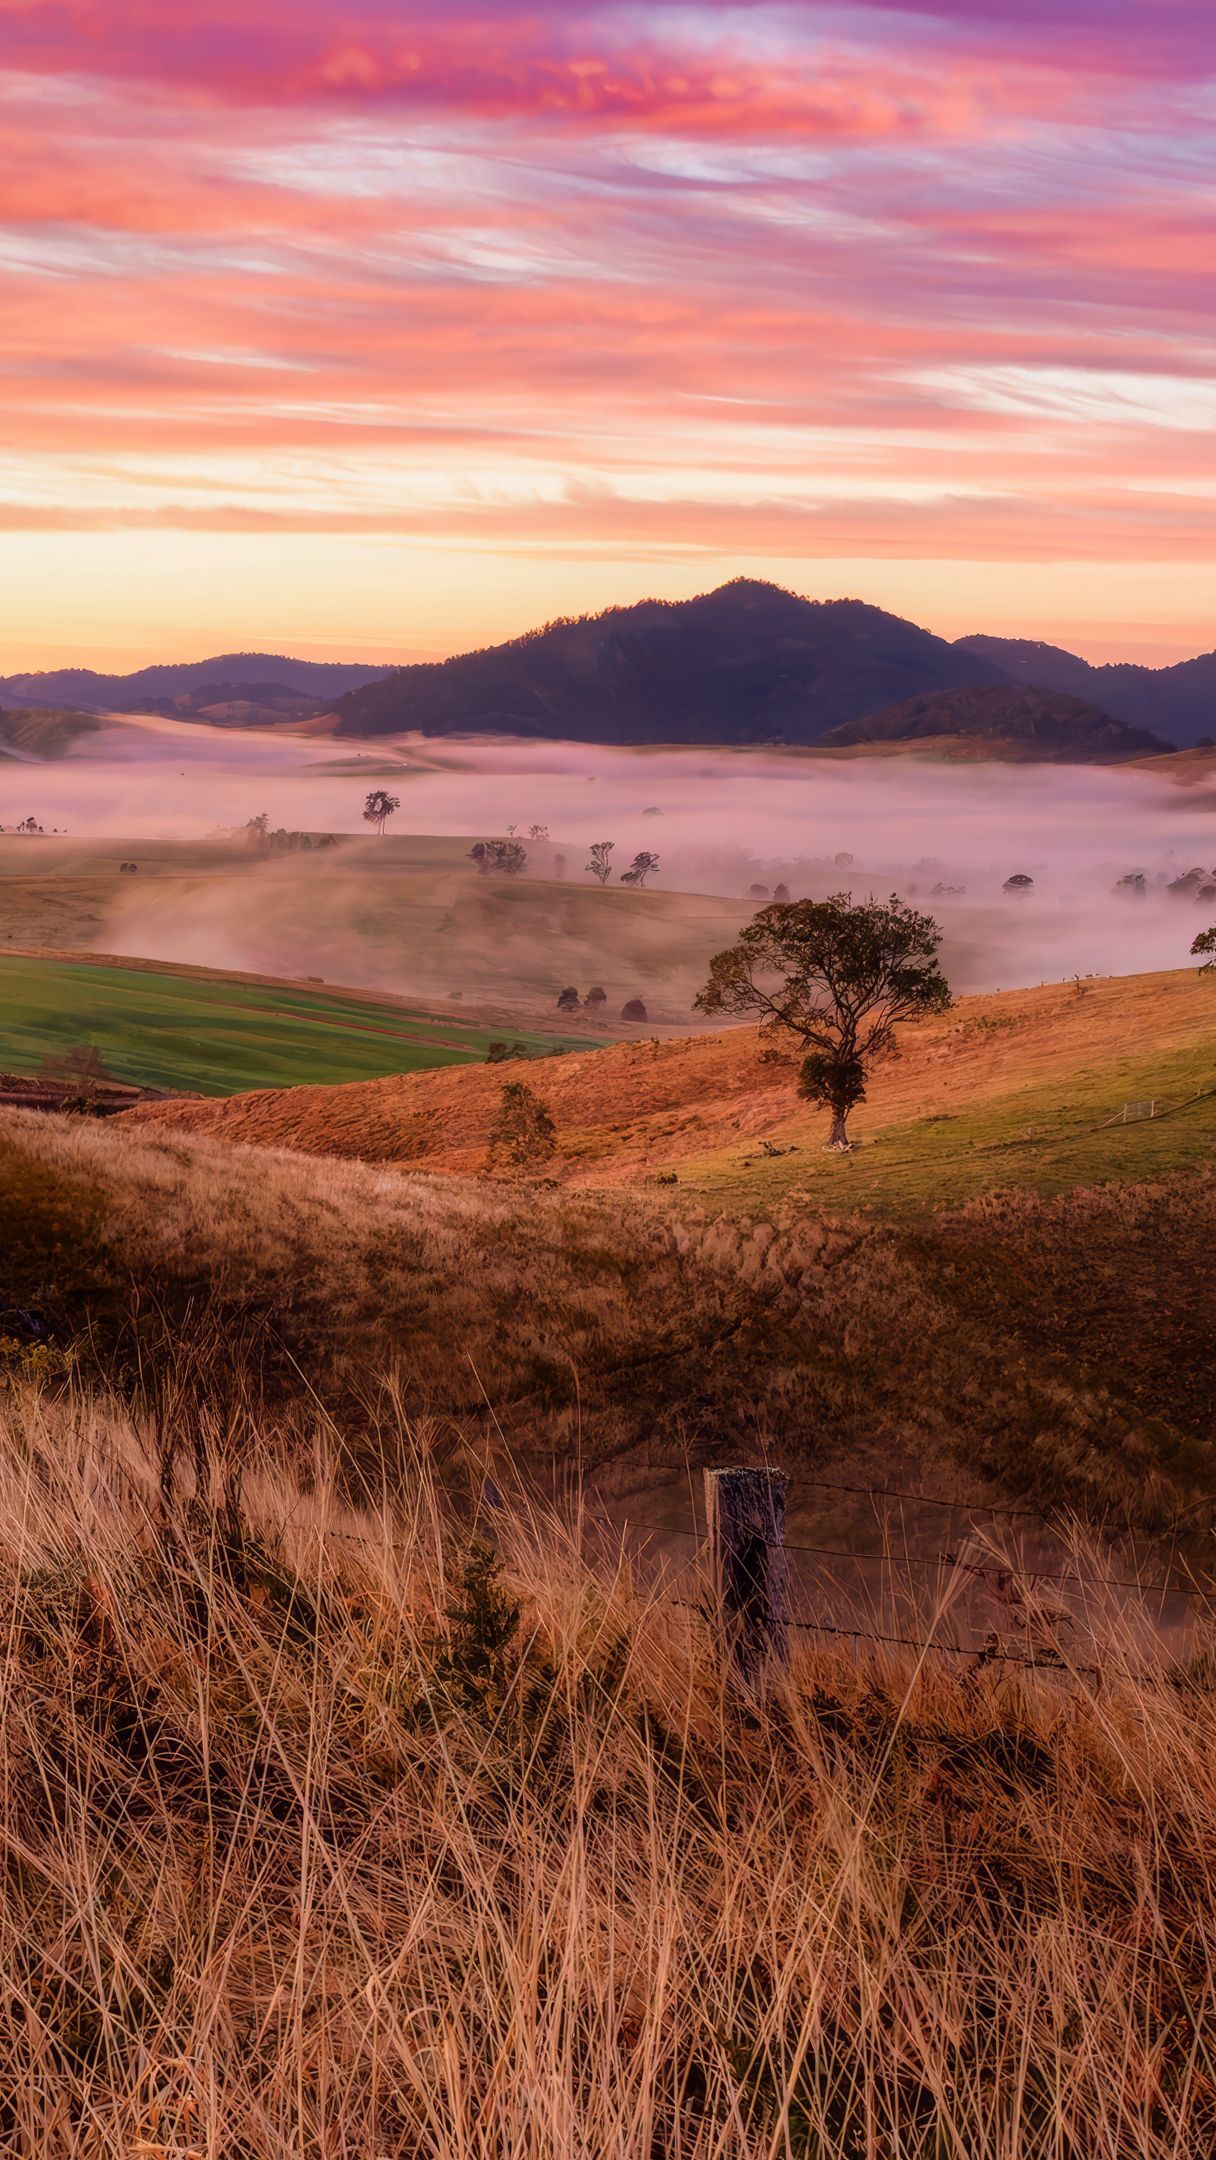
point(220, 1037)
point(1048, 1137)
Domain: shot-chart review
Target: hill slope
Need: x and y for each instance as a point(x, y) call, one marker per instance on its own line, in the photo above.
point(1178, 701)
point(1014, 723)
point(35, 733)
point(749, 663)
point(1057, 1344)
point(963, 1095)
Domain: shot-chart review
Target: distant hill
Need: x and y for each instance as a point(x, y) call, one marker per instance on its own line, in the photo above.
point(186, 687)
point(37, 733)
point(1007, 721)
point(1178, 701)
point(749, 663)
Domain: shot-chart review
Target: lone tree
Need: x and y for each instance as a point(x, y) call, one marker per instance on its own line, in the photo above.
point(1206, 943)
point(781, 892)
point(1132, 887)
point(596, 998)
point(524, 1133)
point(839, 977)
point(568, 1000)
point(1019, 884)
point(599, 865)
point(379, 808)
point(644, 865)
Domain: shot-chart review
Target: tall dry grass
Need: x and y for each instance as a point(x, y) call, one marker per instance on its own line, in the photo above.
point(341, 1834)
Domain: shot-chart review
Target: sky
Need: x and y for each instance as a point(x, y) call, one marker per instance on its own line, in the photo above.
point(357, 327)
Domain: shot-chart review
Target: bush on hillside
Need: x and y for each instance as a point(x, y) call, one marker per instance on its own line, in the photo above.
point(524, 1135)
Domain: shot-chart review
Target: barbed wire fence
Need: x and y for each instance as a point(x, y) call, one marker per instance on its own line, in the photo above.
point(757, 1592)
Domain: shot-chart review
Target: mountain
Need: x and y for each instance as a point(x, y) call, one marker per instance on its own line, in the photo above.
point(1006, 721)
point(188, 686)
point(1180, 701)
point(749, 663)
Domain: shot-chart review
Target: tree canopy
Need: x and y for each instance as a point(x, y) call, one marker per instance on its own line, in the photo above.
point(837, 975)
point(499, 858)
point(379, 807)
point(644, 865)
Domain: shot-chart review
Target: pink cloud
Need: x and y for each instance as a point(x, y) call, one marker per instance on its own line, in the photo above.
point(738, 279)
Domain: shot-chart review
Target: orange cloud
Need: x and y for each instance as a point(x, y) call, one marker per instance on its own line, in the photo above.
point(537, 281)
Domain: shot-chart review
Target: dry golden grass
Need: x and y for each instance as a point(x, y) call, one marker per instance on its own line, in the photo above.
point(1060, 1350)
point(324, 1837)
point(637, 1108)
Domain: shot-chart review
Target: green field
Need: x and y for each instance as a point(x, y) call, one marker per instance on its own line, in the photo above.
point(219, 1036)
point(1048, 1137)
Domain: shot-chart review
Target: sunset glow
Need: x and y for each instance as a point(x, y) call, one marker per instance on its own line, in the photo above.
point(384, 330)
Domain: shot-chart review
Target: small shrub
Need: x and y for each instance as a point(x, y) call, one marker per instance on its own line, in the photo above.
point(524, 1134)
point(483, 1622)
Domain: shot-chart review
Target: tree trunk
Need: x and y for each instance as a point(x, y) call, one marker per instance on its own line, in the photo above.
point(838, 1141)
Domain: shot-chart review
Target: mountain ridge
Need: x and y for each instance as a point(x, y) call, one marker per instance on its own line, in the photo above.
point(1180, 699)
point(748, 663)
point(233, 672)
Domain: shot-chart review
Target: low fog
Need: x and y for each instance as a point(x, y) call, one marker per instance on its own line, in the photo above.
point(719, 821)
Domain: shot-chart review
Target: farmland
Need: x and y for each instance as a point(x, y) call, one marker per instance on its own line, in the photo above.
point(213, 1035)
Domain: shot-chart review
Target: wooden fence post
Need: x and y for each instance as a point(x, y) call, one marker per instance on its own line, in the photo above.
point(745, 1526)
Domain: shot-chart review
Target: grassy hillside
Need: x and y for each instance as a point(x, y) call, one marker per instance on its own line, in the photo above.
point(1011, 1090)
point(181, 1030)
point(1059, 1349)
point(43, 732)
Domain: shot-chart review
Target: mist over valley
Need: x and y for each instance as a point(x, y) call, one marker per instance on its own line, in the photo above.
point(720, 821)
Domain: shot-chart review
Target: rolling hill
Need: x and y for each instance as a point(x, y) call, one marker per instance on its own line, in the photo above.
point(749, 663)
point(1016, 724)
point(1000, 1285)
point(34, 733)
point(1178, 701)
point(1012, 1088)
